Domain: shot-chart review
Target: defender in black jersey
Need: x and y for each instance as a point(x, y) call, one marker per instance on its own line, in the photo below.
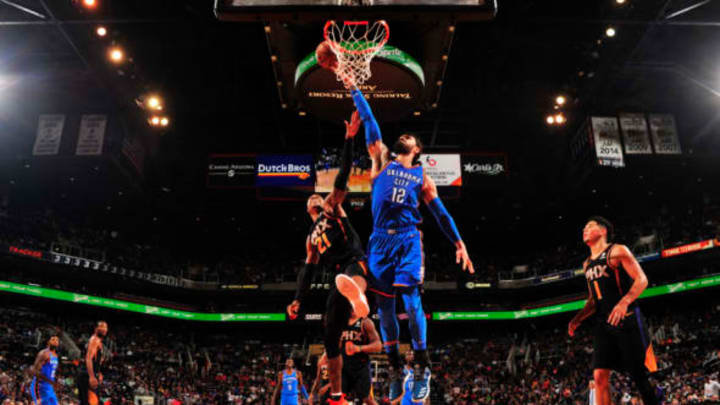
point(333, 244)
point(89, 376)
point(358, 340)
point(621, 341)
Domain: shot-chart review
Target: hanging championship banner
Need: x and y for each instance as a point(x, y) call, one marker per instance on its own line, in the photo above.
point(607, 141)
point(49, 134)
point(443, 168)
point(635, 134)
point(91, 136)
point(664, 134)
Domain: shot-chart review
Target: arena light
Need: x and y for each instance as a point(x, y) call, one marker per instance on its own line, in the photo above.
point(620, 1)
point(89, 4)
point(560, 100)
point(164, 121)
point(116, 55)
point(101, 31)
point(550, 119)
point(154, 102)
point(302, 113)
point(610, 32)
point(560, 119)
point(155, 121)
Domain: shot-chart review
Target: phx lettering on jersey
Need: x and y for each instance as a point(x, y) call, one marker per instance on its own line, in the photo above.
point(596, 272)
point(351, 335)
point(320, 228)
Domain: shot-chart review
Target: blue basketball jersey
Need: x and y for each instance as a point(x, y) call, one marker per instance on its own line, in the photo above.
point(50, 367)
point(290, 384)
point(396, 196)
point(408, 386)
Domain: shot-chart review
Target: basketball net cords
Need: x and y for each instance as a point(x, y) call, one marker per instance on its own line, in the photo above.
point(355, 45)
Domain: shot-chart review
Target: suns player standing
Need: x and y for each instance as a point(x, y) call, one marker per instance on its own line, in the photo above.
point(621, 340)
point(395, 251)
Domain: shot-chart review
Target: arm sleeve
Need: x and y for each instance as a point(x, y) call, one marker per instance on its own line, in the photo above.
point(372, 129)
point(345, 165)
point(444, 220)
point(303, 280)
point(304, 391)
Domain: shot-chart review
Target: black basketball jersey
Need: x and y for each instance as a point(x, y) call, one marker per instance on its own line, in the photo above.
point(354, 333)
point(96, 361)
point(607, 284)
point(335, 240)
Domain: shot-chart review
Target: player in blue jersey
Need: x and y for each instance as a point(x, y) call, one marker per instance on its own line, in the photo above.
point(42, 387)
point(395, 252)
point(290, 384)
point(408, 373)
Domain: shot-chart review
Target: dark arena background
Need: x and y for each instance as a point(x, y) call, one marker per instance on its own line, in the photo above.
point(156, 157)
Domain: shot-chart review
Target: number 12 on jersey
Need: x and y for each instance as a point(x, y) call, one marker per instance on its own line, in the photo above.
point(398, 195)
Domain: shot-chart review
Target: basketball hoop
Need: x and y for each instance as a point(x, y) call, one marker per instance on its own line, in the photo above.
point(355, 44)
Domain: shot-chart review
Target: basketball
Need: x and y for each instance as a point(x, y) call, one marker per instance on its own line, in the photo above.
point(325, 56)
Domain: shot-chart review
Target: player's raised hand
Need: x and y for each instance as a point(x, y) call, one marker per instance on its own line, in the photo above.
point(293, 309)
point(462, 257)
point(352, 127)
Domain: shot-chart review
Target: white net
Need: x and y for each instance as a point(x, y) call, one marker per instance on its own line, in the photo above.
point(355, 43)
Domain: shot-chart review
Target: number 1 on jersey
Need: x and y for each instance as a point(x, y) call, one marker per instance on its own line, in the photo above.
point(398, 195)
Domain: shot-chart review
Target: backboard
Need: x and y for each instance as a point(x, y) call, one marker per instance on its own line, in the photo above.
point(314, 10)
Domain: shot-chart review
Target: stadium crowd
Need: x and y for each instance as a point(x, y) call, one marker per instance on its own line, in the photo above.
point(530, 365)
point(252, 262)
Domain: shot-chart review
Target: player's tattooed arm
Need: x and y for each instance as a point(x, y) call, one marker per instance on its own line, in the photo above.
point(446, 223)
point(620, 254)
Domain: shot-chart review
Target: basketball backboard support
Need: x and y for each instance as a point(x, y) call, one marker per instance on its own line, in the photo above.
point(315, 10)
point(407, 76)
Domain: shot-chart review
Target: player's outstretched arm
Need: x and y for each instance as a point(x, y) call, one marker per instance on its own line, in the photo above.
point(304, 279)
point(337, 196)
point(622, 255)
point(377, 150)
point(446, 223)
